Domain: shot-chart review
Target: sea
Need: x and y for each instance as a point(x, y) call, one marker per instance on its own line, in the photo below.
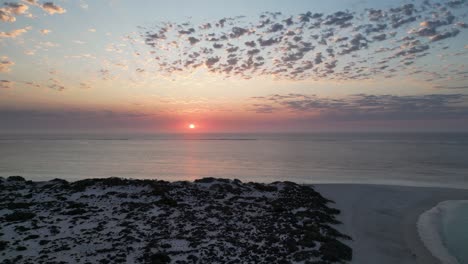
point(413, 159)
point(455, 230)
point(444, 231)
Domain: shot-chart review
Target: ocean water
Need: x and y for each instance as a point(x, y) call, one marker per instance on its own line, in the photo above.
point(455, 231)
point(444, 231)
point(420, 159)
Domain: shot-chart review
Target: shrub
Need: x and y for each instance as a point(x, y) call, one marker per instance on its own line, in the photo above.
point(205, 180)
point(19, 216)
point(13, 206)
point(264, 187)
point(16, 178)
point(31, 237)
point(43, 242)
point(21, 248)
point(334, 251)
point(3, 245)
point(168, 201)
point(159, 258)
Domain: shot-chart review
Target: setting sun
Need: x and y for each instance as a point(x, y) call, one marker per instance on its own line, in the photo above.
point(192, 126)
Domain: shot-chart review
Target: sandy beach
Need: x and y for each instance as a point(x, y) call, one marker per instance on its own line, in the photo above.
point(381, 219)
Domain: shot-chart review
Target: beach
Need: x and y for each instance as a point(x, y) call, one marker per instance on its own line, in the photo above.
point(382, 219)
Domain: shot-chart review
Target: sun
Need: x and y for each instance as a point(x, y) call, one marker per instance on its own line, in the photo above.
point(192, 126)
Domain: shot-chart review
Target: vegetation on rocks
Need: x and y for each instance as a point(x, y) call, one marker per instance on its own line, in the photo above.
point(147, 221)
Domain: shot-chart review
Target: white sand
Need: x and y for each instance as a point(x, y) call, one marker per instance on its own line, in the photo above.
point(382, 219)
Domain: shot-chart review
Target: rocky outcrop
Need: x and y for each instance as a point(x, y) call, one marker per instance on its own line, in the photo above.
point(147, 221)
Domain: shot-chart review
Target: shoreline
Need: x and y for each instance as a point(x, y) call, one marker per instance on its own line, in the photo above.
point(382, 219)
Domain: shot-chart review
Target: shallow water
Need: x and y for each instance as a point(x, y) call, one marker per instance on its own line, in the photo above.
point(455, 231)
point(409, 159)
point(444, 231)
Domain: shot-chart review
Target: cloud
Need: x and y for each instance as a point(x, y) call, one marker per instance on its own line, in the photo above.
point(238, 32)
point(83, 4)
point(451, 87)
point(10, 9)
point(16, 8)
point(51, 8)
point(56, 84)
point(45, 31)
point(31, 2)
point(193, 40)
point(105, 74)
point(449, 34)
point(14, 33)
point(74, 119)
point(263, 108)
point(6, 16)
point(33, 84)
point(92, 30)
point(85, 85)
point(5, 84)
point(5, 64)
point(81, 56)
point(48, 44)
point(346, 45)
point(364, 106)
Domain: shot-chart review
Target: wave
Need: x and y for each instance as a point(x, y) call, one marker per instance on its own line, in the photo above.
point(430, 228)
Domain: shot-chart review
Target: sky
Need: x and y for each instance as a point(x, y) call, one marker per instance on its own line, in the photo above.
point(233, 66)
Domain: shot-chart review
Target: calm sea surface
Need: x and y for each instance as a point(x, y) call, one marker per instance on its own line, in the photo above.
point(409, 159)
point(455, 231)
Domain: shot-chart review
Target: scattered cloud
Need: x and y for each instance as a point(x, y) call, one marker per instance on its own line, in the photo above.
point(16, 8)
point(79, 42)
point(6, 16)
point(5, 84)
point(33, 84)
point(14, 33)
point(85, 85)
point(52, 8)
point(56, 84)
point(29, 118)
point(263, 108)
point(451, 87)
point(30, 52)
point(5, 64)
point(83, 4)
point(364, 106)
point(81, 56)
point(105, 74)
point(45, 31)
point(32, 2)
point(48, 44)
point(343, 45)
